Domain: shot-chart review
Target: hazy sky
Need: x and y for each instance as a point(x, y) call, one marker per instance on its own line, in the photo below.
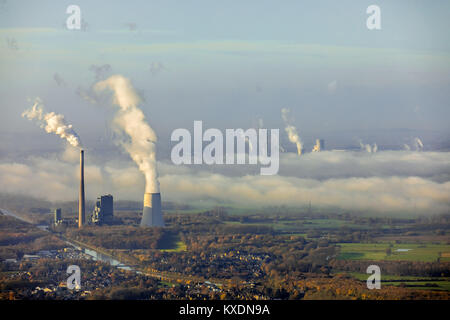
point(229, 63)
point(232, 64)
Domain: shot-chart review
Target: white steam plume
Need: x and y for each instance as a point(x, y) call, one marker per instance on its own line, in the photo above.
point(374, 148)
point(52, 123)
point(131, 120)
point(418, 144)
point(316, 147)
point(291, 131)
point(368, 148)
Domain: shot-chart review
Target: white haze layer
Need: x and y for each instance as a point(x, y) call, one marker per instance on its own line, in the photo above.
point(130, 120)
point(388, 182)
point(52, 122)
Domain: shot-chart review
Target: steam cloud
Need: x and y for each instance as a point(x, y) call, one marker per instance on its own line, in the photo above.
point(418, 144)
point(374, 148)
point(316, 147)
point(52, 123)
point(291, 131)
point(368, 147)
point(131, 121)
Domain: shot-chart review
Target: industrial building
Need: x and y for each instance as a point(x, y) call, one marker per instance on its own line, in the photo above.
point(104, 210)
point(58, 220)
point(58, 216)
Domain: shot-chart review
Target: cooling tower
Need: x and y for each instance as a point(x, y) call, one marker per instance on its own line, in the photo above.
point(81, 211)
point(152, 215)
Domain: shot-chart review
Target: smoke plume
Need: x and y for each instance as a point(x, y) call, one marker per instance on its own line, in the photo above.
point(52, 123)
point(368, 148)
point(418, 144)
point(131, 121)
point(291, 131)
point(316, 147)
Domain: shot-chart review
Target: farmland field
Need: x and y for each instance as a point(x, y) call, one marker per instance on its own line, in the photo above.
point(303, 225)
point(177, 247)
point(407, 251)
point(425, 283)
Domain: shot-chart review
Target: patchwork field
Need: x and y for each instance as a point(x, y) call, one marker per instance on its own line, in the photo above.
point(177, 246)
point(406, 251)
point(424, 283)
point(303, 225)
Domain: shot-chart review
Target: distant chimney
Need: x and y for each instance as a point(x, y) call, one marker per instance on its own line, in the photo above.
point(81, 209)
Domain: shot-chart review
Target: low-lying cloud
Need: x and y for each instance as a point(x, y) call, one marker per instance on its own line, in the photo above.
point(388, 182)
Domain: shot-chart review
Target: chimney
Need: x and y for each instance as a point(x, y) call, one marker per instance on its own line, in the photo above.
point(81, 211)
point(152, 215)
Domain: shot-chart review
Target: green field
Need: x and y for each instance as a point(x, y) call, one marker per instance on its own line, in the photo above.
point(303, 225)
point(331, 224)
point(280, 226)
point(377, 251)
point(172, 243)
point(424, 283)
point(178, 246)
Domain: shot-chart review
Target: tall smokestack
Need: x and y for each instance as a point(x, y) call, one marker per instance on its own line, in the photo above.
point(152, 215)
point(81, 211)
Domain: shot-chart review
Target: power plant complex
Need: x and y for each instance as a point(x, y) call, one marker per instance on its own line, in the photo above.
point(141, 147)
point(104, 207)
